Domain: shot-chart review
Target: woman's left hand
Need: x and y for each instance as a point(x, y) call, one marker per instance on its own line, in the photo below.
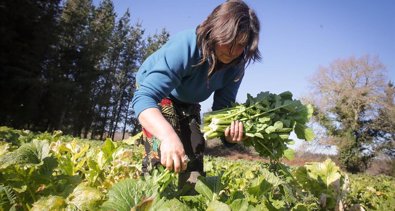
point(234, 133)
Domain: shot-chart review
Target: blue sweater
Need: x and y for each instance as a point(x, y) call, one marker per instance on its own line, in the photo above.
point(171, 70)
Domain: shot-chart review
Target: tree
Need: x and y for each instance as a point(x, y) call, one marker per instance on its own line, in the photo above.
point(155, 42)
point(348, 97)
point(71, 70)
point(67, 65)
point(383, 126)
point(128, 49)
point(27, 32)
point(100, 31)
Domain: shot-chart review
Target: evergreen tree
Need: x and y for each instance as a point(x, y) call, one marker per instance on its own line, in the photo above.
point(101, 27)
point(27, 32)
point(71, 69)
point(70, 75)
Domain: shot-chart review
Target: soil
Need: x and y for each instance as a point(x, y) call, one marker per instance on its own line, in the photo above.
point(216, 149)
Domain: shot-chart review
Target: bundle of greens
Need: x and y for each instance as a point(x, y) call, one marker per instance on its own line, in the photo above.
point(268, 121)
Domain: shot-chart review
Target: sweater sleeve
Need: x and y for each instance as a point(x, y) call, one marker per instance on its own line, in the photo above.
point(162, 72)
point(225, 96)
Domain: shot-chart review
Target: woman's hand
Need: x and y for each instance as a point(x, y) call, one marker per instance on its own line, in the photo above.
point(173, 154)
point(234, 133)
point(172, 151)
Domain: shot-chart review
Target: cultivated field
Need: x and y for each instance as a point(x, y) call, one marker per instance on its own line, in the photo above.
point(50, 171)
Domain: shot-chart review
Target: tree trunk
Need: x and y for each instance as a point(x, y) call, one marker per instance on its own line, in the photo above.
point(126, 120)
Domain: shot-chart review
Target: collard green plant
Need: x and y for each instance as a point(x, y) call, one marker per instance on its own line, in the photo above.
point(163, 204)
point(32, 153)
point(268, 121)
point(33, 177)
point(49, 203)
point(130, 193)
point(325, 181)
point(371, 192)
point(85, 197)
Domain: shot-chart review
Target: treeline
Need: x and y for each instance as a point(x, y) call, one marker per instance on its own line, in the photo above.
point(70, 66)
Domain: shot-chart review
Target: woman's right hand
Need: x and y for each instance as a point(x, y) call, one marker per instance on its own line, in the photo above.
point(171, 148)
point(173, 154)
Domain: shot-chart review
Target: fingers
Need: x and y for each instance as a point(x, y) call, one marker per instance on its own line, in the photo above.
point(175, 162)
point(236, 130)
point(234, 133)
point(169, 162)
point(163, 158)
point(227, 132)
point(172, 153)
point(233, 130)
point(184, 163)
point(240, 132)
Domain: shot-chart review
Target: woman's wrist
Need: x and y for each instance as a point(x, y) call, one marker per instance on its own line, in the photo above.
point(168, 136)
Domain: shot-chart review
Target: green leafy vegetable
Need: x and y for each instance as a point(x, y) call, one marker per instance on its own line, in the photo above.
point(85, 197)
point(7, 197)
point(49, 203)
point(54, 172)
point(131, 193)
point(268, 121)
point(32, 153)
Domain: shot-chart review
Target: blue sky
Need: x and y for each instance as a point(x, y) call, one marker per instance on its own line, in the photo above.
point(296, 36)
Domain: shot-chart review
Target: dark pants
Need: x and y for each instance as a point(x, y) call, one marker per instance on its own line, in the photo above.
point(185, 119)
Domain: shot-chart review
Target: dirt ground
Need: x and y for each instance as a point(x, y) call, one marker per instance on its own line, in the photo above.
point(217, 149)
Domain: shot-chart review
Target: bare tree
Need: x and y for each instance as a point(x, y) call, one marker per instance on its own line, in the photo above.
point(348, 97)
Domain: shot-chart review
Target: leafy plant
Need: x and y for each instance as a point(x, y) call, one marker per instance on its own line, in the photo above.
point(85, 197)
point(29, 153)
point(8, 199)
point(371, 192)
point(129, 193)
point(49, 203)
point(325, 181)
point(57, 172)
point(268, 121)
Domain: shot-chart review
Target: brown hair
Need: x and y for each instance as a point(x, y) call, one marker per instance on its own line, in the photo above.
point(228, 21)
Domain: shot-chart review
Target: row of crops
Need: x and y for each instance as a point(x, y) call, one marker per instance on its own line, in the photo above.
point(51, 171)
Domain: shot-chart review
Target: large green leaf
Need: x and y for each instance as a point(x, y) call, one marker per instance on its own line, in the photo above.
point(303, 132)
point(108, 148)
point(209, 187)
point(261, 185)
point(203, 189)
point(124, 195)
point(326, 171)
point(217, 205)
point(85, 197)
point(4, 147)
point(289, 154)
point(49, 203)
point(239, 205)
point(287, 95)
point(167, 205)
point(29, 153)
point(129, 193)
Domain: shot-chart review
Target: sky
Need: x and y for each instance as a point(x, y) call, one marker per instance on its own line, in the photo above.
point(296, 37)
